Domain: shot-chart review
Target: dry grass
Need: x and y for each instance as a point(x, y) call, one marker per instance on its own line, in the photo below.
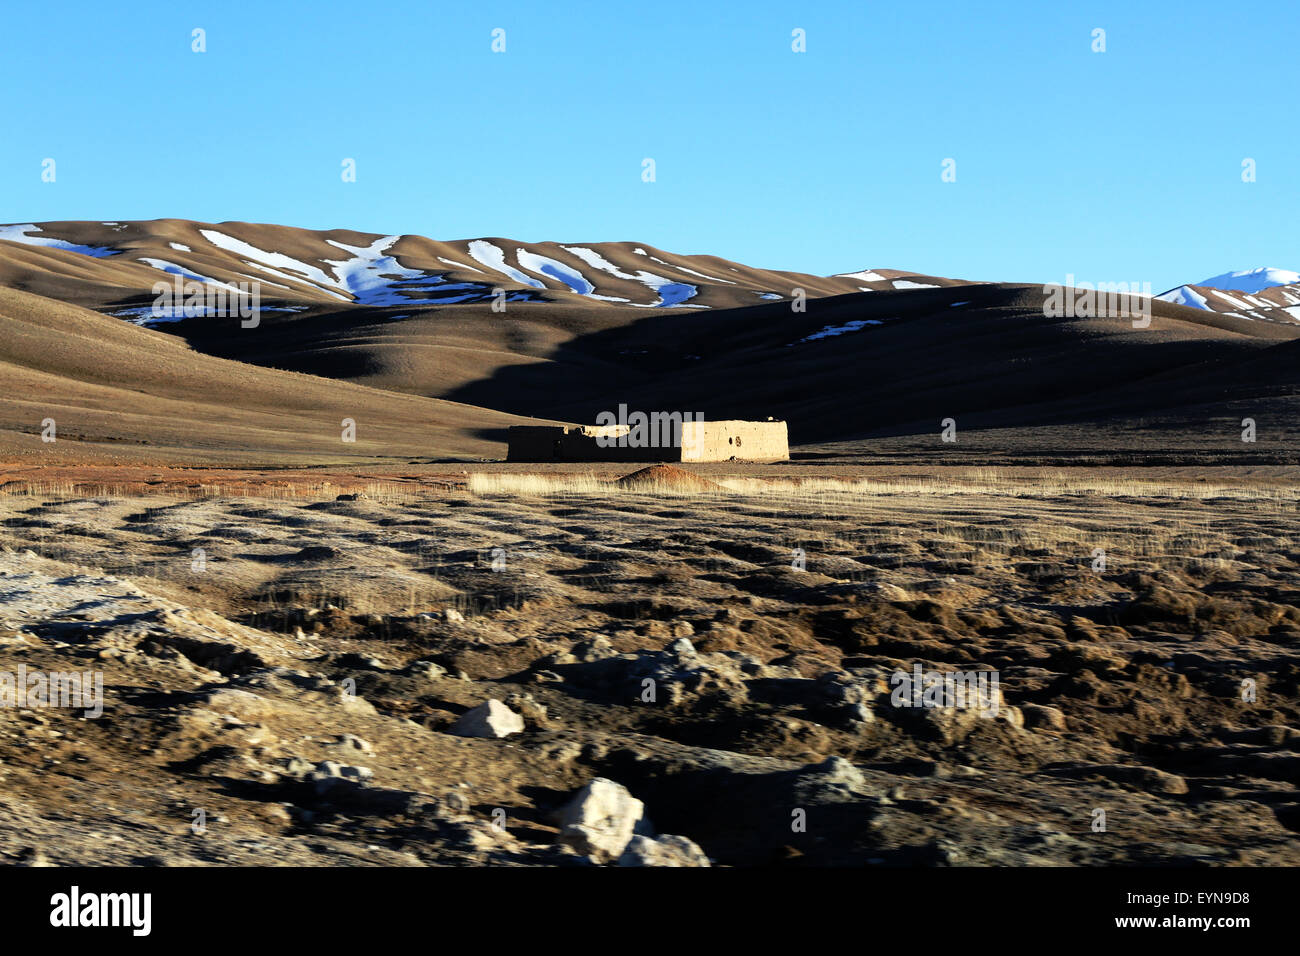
point(987, 482)
point(269, 490)
point(540, 486)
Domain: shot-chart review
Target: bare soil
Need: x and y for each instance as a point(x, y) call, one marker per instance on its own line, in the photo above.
point(1149, 706)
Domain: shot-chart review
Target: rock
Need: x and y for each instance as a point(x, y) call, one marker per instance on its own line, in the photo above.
point(328, 769)
point(1012, 716)
point(316, 552)
point(839, 772)
point(456, 802)
point(240, 703)
point(453, 616)
point(849, 700)
point(489, 719)
point(599, 648)
point(353, 742)
point(32, 856)
point(682, 647)
point(951, 724)
point(1148, 779)
point(666, 850)
point(363, 662)
point(279, 814)
point(601, 820)
point(426, 669)
point(297, 767)
point(350, 784)
point(886, 592)
point(680, 672)
point(1103, 661)
point(528, 707)
point(1043, 717)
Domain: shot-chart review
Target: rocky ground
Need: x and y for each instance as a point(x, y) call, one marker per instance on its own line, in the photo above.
point(678, 678)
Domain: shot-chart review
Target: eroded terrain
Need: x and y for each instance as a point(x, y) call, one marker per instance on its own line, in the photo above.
point(294, 670)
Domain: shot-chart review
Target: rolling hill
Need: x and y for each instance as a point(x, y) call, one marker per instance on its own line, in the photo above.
point(119, 393)
point(112, 266)
point(368, 328)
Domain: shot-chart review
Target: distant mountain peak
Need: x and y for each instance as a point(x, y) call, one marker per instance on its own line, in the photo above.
point(1252, 280)
point(1267, 294)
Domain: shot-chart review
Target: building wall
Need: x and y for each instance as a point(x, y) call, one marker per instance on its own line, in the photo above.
point(700, 441)
point(739, 440)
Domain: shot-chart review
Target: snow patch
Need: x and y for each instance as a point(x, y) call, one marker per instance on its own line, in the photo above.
point(22, 233)
point(278, 259)
point(1234, 302)
point(691, 271)
point(172, 268)
point(670, 293)
point(1185, 295)
point(459, 265)
point(374, 278)
point(494, 258)
point(546, 266)
point(830, 331)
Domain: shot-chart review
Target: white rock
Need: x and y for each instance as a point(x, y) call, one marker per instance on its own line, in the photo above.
point(601, 820)
point(682, 647)
point(328, 768)
point(666, 850)
point(489, 719)
point(329, 774)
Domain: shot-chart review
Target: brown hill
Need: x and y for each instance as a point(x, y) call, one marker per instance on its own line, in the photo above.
point(112, 267)
point(848, 368)
point(117, 392)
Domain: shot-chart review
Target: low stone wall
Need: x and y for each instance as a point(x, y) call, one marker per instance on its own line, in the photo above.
point(577, 443)
point(700, 441)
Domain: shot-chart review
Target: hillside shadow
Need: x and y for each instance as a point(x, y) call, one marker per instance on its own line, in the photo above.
point(983, 355)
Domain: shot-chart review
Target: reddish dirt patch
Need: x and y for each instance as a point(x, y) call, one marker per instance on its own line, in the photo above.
point(666, 476)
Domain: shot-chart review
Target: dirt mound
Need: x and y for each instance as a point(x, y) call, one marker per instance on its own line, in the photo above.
point(667, 477)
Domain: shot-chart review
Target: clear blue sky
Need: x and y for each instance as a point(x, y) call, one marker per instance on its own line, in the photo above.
point(1115, 166)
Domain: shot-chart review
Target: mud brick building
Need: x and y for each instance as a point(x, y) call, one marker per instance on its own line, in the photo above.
point(680, 442)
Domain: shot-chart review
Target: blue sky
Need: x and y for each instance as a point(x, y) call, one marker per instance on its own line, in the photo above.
point(1115, 166)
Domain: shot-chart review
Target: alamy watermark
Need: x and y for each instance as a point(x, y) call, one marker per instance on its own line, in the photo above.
point(181, 299)
point(964, 690)
point(622, 429)
point(39, 690)
point(75, 909)
point(1083, 300)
